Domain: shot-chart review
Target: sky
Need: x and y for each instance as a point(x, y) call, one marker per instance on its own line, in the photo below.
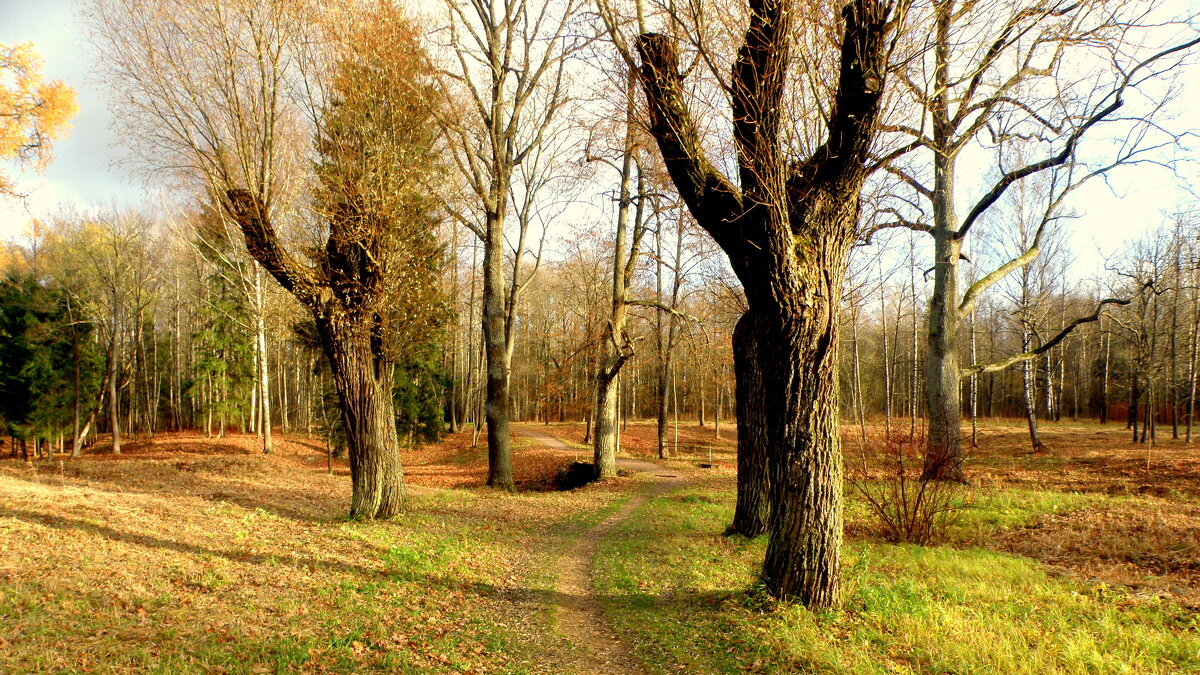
point(87, 170)
point(84, 171)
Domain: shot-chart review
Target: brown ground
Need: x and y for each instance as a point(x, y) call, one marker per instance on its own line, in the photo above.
point(1143, 532)
point(185, 542)
point(1145, 537)
point(452, 463)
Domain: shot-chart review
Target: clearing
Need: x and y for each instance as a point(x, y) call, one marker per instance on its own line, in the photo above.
point(188, 554)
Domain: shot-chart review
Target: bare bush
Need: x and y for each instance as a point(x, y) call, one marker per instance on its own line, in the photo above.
point(908, 506)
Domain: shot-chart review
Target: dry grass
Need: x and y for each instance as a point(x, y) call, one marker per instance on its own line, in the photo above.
point(1118, 520)
point(1148, 544)
point(190, 554)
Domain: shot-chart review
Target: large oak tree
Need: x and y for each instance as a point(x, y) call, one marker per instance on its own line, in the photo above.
point(787, 224)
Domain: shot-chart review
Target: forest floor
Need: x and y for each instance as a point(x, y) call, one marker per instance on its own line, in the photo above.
point(188, 554)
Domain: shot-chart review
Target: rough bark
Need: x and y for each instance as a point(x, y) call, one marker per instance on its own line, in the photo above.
point(495, 338)
point(943, 454)
point(787, 228)
point(752, 510)
point(604, 440)
point(351, 338)
point(364, 388)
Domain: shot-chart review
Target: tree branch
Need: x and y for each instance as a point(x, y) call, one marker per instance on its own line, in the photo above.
point(704, 189)
point(1073, 139)
point(979, 369)
point(263, 244)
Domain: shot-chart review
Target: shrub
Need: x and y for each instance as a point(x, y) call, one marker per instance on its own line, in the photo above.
point(907, 507)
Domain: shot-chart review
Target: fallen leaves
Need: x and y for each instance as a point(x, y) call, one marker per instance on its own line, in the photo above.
point(224, 559)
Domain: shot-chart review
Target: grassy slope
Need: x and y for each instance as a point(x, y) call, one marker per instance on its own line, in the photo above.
point(241, 564)
point(676, 589)
point(215, 559)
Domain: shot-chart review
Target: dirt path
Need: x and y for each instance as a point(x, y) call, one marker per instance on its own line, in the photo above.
point(581, 614)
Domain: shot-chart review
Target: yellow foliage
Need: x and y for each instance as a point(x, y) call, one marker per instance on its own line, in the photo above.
point(32, 112)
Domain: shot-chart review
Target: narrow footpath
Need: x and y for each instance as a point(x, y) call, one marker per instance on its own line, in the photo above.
point(581, 616)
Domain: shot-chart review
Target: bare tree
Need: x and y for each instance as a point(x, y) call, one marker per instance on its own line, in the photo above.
point(787, 226)
point(509, 66)
point(1017, 79)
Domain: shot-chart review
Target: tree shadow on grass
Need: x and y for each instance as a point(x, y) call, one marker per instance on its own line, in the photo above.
point(518, 594)
point(312, 503)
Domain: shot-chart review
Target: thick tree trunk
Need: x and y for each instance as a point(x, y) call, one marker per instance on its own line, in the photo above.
point(943, 454)
point(604, 441)
point(803, 553)
point(496, 405)
point(364, 388)
point(787, 227)
point(752, 510)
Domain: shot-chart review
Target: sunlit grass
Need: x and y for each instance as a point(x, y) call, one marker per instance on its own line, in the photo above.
point(685, 595)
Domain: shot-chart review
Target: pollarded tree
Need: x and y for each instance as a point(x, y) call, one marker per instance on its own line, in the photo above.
point(787, 225)
point(373, 289)
point(216, 87)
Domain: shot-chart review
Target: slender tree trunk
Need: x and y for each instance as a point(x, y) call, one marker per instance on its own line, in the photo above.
point(718, 409)
point(255, 406)
point(1104, 376)
point(915, 367)
point(1173, 380)
point(615, 351)
point(662, 355)
point(974, 388)
point(283, 393)
point(113, 403)
point(1030, 389)
point(1195, 348)
point(75, 394)
point(859, 406)
point(943, 454)
point(1134, 401)
point(264, 376)
point(887, 368)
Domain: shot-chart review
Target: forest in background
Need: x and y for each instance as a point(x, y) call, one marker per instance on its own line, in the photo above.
point(179, 324)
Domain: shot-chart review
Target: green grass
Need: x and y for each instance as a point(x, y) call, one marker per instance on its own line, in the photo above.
point(685, 596)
